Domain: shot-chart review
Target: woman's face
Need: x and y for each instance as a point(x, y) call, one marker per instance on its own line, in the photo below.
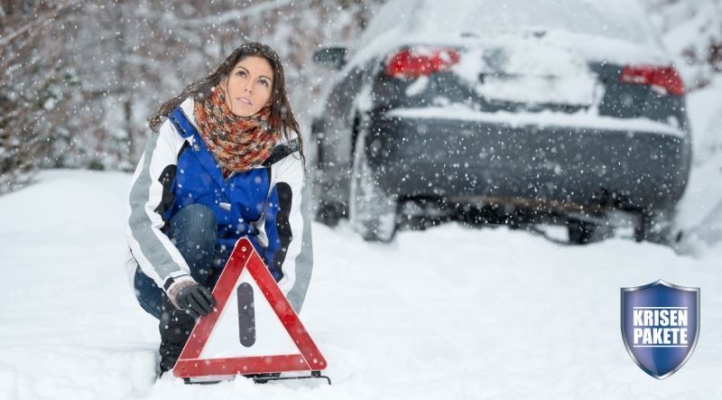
point(249, 86)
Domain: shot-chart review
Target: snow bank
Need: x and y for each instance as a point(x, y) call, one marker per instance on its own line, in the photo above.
point(700, 210)
point(444, 314)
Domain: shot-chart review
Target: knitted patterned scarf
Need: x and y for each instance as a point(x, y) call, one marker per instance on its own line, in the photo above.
point(238, 143)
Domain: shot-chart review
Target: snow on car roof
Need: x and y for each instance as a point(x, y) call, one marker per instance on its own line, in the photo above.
point(614, 19)
point(614, 31)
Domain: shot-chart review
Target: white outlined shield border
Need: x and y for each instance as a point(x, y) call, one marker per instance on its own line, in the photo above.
point(624, 331)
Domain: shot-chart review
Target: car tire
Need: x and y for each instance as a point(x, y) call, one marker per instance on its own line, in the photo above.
point(655, 227)
point(580, 232)
point(372, 212)
point(324, 212)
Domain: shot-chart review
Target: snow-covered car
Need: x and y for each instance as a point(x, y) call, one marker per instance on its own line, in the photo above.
point(566, 112)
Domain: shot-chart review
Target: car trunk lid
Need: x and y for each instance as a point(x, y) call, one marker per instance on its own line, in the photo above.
point(527, 71)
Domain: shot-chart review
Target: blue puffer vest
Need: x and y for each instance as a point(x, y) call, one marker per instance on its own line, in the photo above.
point(236, 201)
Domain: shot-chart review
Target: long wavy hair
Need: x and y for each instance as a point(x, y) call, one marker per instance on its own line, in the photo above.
point(281, 118)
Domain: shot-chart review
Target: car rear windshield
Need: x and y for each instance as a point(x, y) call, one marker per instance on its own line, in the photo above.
point(618, 19)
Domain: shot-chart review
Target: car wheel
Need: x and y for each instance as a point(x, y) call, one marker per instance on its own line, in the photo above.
point(373, 213)
point(328, 214)
point(324, 212)
point(655, 227)
point(580, 232)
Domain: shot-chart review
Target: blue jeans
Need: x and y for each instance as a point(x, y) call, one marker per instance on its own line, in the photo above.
point(193, 230)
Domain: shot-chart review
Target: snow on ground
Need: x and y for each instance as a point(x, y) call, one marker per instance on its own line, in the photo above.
point(449, 313)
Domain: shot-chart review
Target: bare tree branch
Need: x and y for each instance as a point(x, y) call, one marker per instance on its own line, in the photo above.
point(222, 18)
point(35, 23)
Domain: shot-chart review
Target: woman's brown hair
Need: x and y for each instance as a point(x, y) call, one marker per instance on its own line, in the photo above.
point(281, 118)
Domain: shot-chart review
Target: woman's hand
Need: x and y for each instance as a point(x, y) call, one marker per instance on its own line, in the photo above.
point(193, 298)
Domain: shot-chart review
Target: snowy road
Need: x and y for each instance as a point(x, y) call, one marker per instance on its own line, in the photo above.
point(450, 313)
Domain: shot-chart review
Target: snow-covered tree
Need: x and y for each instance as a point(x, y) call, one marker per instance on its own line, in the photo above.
point(35, 81)
point(80, 78)
point(692, 31)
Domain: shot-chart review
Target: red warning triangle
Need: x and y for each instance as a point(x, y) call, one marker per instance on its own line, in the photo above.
point(193, 364)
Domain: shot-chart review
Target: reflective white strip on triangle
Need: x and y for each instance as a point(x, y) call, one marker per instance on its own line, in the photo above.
point(271, 336)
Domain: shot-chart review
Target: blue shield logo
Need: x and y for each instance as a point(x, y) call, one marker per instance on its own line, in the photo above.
point(660, 326)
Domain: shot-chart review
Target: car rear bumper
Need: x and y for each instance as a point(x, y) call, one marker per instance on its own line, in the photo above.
point(561, 167)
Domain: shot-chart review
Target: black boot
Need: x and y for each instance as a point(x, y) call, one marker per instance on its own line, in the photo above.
point(175, 329)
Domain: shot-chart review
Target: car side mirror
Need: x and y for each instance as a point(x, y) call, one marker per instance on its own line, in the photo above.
point(331, 57)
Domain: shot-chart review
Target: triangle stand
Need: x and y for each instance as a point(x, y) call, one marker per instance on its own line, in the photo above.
point(261, 378)
point(244, 274)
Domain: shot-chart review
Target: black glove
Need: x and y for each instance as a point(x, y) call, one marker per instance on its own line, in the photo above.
point(196, 300)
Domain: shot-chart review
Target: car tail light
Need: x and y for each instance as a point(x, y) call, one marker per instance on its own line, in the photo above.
point(416, 62)
point(665, 78)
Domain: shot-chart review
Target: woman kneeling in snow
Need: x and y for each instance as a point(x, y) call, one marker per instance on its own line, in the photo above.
point(227, 163)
